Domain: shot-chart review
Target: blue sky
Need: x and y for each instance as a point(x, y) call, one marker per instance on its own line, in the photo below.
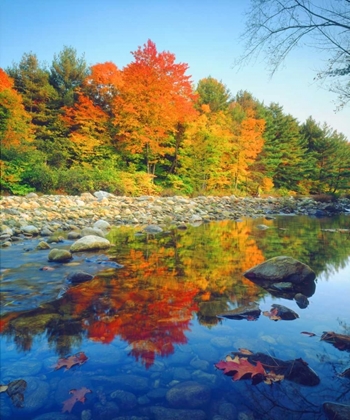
point(202, 33)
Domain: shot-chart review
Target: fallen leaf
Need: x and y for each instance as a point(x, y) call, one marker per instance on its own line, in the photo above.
point(3, 388)
point(47, 268)
point(77, 359)
point(310, 334)
point(272, 377)
point(273, 314)
point(340, 341)
point(240, 367)
point(245, 351)
point(78, 395)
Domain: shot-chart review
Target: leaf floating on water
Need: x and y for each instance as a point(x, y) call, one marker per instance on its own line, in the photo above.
point(272, 377)
point(78, 395)
point(3, 388)
point(273, 314)
point(340, 341)
point(47, 268)
point(310, 334)
point(77, 359)
point(240, 367)
point(245, 351)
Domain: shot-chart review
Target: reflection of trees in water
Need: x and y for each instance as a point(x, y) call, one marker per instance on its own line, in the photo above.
point(308, 240)
point(166, 278)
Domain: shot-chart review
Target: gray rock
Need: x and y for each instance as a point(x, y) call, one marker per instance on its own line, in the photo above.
point(102, 224)
point(336, 411)
point(285, 313)
point(79, 277)
point(262, 227)
point(56, 415)
point(43, 245)
point(189, 394)
point(282, 268)
point(102, 194)
point(90, 243)
point(92, 231)
point(30, 230)
point(108, 410)
point(162, 413)
point(59, 255)
point(153, 229)
point(36, 394)
point(125, 400)
point(228, 411)
point(6, 230)
point(301, 300)
point(242, 312)
point(73, 234)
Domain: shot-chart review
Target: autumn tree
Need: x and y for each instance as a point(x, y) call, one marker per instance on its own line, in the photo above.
point(156, 96)
point(102, 85)
point(277, 27)
point(15, 127)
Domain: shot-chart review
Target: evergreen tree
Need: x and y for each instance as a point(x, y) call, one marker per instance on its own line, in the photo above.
point(284, 156)
point(331, 152)
point(213, 93)
point(67, 73)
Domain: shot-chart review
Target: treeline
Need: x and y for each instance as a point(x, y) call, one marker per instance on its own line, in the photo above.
point(146, 129)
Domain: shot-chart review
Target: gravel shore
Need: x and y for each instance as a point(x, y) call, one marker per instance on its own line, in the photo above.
point(55, 211)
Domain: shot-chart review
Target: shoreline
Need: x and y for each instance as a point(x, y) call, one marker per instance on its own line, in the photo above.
point(65, 212)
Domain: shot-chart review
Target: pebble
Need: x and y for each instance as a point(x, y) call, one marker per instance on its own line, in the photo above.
point(47, 213)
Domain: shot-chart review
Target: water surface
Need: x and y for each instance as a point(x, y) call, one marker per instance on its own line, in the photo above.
point(153, 324)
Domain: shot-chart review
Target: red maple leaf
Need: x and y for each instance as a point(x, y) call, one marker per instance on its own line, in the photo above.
point(78, 395)
point(240, 367)
point(68, 362)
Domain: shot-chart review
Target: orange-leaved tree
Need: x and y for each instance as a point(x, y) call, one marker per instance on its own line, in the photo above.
point(89, 120)
point(156, 95)
point(15, 127)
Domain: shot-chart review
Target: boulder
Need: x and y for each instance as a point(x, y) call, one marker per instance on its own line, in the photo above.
point(79, 277)
point(102, 224)
point(281, 269)
point(92, 231)
point(30, 230)
point(337, 411)
point(189, 394)
point(59, 255)
point(90, 243)
point(153, 229)
point(249, 312)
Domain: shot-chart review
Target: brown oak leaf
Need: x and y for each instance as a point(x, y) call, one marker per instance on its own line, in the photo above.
point(240, 367)
point(272, 377)
point(68, 362)
point(310, 334)
point(273, 314)
point(78, 395)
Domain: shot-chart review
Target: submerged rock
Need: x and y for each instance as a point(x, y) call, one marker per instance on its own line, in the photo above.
point(162, 413)
point(336, 411)
point(59, 255)
point(189, 394)
point(249, 312)
point(79, 277)
point(281, 269)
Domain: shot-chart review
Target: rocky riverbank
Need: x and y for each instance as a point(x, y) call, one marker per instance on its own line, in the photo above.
point(49, 212)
